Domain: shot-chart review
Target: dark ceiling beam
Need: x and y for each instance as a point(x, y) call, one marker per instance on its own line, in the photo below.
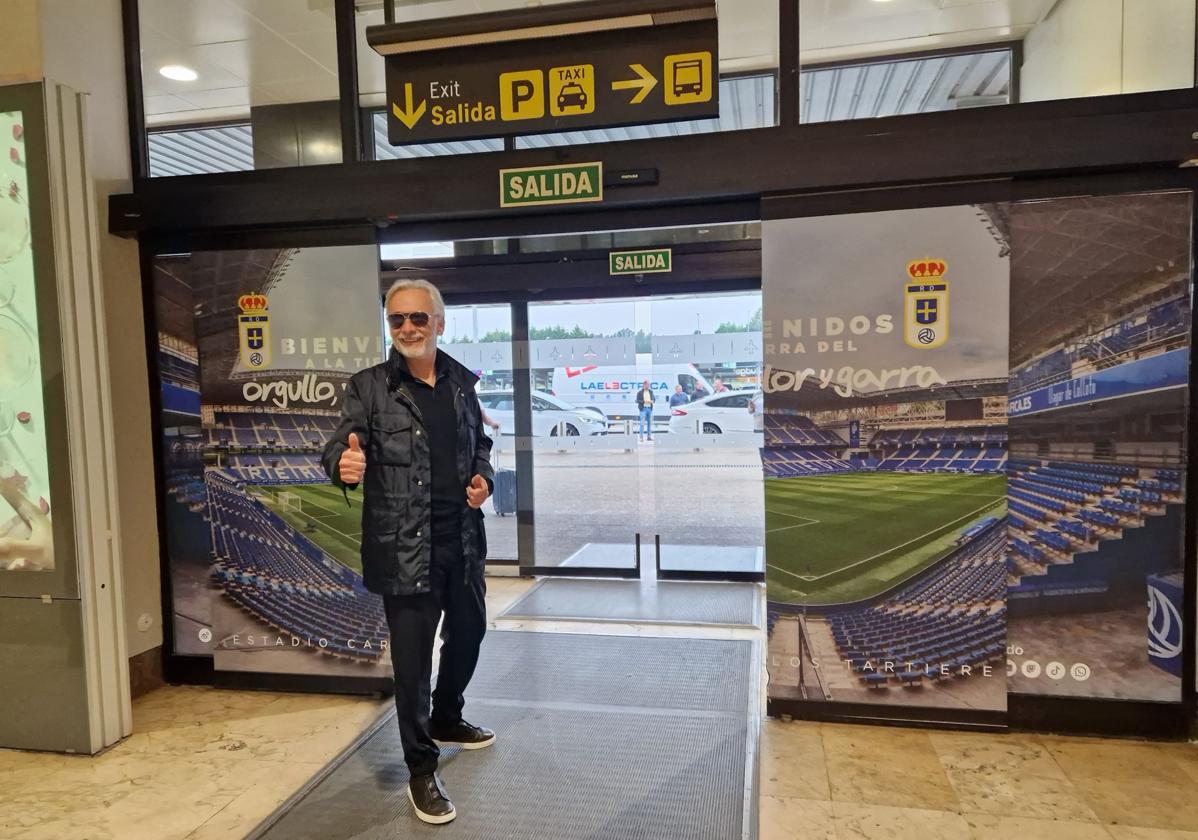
point(582, 273)
point(1072, 136)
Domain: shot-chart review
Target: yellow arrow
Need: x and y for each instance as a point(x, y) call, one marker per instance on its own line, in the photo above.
point(646, 83)
point(408, 116)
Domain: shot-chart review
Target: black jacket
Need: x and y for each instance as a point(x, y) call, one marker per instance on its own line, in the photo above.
point(640, 397)
point(397, 497)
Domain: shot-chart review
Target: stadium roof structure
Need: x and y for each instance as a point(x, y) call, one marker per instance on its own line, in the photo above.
point(823, 399)
point(1080, 264)
point(1084, 421)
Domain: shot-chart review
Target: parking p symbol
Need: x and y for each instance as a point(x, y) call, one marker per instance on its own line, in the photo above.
point(522, 95)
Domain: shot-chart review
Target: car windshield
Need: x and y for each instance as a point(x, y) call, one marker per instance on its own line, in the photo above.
point(556, 401)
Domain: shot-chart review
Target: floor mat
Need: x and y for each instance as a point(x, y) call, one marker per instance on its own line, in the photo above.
point(599, 737)
point(680, 602)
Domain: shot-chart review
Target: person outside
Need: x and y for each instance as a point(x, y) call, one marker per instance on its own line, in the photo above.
point(679, 397)
point(644, 405)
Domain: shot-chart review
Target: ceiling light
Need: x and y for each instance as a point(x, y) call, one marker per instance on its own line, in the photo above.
point(179, 73)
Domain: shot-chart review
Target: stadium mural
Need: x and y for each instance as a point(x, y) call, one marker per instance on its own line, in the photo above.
point(1100, 324)
point(885, 445)
point(26, 541)
point(255, 350)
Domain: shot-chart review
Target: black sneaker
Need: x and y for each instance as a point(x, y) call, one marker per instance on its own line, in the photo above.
point(429, 799)
point(465, 735)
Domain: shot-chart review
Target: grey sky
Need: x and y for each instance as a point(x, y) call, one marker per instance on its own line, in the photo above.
point(668, 316)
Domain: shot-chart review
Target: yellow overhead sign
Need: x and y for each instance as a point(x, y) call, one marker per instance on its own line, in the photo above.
point(564, 84)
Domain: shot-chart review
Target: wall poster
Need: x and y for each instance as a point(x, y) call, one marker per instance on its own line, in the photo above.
point(26, 539)
point(255, 349)
point(885, 444)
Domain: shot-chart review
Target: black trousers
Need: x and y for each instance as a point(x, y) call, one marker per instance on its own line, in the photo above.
point(412, 620)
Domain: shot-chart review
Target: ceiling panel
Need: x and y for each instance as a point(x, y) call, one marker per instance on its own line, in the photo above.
point(212, 76)
point(846, 29)
point(321, 47)
point(220, 98)
point(166, 104)
point(267, 58)
point(289, 17)
point(193, 22)
point(267, 46)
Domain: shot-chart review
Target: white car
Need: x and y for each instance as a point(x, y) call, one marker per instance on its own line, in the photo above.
point(715, 414)
point(550, 416)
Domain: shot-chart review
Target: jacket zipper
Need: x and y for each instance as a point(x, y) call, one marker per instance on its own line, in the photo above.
point(457, 393)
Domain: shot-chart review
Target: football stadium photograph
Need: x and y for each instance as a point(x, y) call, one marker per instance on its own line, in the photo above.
point(885, 506)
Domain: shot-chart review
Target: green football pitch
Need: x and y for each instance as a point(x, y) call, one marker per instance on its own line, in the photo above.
point(846, 536)
point(322, 517)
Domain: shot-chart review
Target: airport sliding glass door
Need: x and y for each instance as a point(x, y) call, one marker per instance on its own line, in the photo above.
point(644, 443)
point(677, 491)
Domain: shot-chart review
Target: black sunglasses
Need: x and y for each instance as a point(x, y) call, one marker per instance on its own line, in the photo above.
point(418, 319)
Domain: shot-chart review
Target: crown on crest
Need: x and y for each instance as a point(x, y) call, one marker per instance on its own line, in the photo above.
point(922, 269)
point(252, 304)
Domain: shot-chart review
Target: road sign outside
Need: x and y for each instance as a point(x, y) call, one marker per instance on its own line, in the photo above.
point(621, 77)
point(567, 184)
point(650, 261)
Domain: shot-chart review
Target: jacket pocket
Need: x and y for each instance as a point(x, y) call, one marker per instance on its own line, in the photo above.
point(393, 439)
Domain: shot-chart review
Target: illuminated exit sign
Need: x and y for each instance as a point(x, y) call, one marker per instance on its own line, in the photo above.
point(566, 184)
point(650, 261)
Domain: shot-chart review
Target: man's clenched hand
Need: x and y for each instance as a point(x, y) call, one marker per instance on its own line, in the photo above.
point(477, 492)
point(352, 465)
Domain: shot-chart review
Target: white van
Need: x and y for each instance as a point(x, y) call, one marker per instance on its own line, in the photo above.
point(612, 389)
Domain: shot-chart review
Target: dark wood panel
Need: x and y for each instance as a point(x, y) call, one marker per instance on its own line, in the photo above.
point(1074, 136)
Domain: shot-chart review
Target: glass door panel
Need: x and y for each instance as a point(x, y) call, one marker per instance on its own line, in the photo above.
point(480, 337)
point(706, 477)
point(584, 369)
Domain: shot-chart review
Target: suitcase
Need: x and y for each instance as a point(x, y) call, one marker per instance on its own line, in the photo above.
point(505, 492)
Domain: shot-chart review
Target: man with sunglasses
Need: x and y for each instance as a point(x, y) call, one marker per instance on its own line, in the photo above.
point(412, 434)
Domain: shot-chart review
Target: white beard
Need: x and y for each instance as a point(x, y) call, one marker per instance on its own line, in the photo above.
point(415, 350)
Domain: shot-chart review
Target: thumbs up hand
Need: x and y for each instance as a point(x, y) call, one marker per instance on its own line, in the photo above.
point(352, 465)
point(477, 492)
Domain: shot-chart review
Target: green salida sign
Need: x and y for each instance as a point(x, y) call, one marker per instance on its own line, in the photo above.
point(652, 261)
point(565, 184)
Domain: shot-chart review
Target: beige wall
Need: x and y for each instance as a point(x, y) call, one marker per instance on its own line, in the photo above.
point(82, 47)
point(20, 45)
point(1158, 44)
point(1102, 47)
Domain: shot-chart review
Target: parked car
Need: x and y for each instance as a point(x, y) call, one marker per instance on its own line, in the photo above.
point(550, 416)
point(727, 411)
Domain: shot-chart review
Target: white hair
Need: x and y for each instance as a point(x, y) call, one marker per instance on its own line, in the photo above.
point(416, 283)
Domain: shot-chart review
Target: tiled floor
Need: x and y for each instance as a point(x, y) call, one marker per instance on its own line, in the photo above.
point(204, 763)
point(837, 781)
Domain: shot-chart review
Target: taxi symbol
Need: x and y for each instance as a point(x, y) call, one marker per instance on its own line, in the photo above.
point(572, 90)
point(522, 95)
point(571, 96)
point(688, 78)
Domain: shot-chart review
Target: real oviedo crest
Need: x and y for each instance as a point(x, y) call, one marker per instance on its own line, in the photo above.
point(253, 331)
point(925, 304)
